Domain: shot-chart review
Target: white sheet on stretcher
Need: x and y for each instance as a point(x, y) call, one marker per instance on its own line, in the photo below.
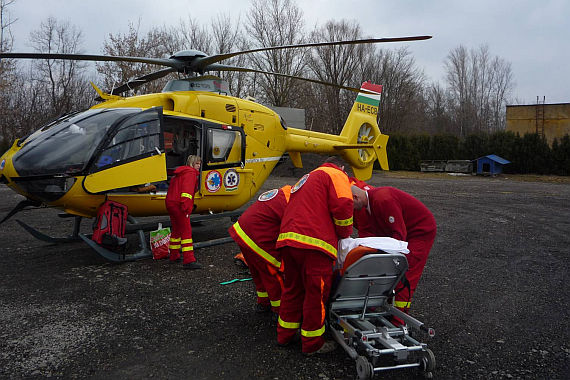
point(386, 244)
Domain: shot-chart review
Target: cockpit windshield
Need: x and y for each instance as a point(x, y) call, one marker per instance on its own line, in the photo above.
point(66, 146)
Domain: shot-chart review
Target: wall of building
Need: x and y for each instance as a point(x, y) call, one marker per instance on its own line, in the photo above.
point(294, 117)
point(555, 123)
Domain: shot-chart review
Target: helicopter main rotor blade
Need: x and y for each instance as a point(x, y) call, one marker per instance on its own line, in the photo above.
point(196, 61)
point(137, 82)
point(203, 62)
point(99, 58)
point(218, 67)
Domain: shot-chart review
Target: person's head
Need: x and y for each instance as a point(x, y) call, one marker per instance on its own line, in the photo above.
point(336, 161)
point(361, 184)
point(359, 197)
point(194, 161)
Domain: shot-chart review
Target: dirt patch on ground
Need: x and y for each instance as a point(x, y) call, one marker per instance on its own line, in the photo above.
point(495, 288)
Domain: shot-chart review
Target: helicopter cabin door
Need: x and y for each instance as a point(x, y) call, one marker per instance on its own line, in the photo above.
point(223, 160)
point(132, 154)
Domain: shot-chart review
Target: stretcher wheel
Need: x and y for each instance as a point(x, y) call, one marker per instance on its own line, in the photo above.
point(364, 369)
point(428, 361)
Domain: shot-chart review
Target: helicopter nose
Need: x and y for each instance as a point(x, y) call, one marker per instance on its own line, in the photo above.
point(6, 169)
point(3, 179)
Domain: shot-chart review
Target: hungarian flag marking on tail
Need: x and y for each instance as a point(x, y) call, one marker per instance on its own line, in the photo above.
point(369, 102)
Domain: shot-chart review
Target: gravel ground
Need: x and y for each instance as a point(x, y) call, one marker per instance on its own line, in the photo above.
point(495, 288)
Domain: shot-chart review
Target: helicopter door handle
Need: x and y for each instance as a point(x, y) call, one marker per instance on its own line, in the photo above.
point(158, 150)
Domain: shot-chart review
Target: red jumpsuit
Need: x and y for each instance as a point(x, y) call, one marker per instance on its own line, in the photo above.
point(179, 203)
point(256, 232)
point(399, 215)
point(319, 213)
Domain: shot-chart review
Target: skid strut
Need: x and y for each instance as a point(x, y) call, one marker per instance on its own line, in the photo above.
point(144, 250)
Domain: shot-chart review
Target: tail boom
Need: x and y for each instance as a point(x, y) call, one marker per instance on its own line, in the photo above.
point(360, 142)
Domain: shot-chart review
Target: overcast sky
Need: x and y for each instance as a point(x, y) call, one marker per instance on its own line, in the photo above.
point(532, 35)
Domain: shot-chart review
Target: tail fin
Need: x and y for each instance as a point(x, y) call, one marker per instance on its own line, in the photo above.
point(364, 141)
point(359, 143)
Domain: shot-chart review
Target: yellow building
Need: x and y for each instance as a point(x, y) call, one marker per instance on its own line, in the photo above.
point(548, 120)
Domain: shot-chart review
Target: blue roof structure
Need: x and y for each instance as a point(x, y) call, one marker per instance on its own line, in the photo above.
point(496, 158)
point(491, 164)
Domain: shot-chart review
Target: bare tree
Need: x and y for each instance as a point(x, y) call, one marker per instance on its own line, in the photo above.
point(437, 109)
point(228, 38)
point(158, 42)
point(502, 87)
point(275, 23)
point(192, 35)
point(6, 38)
point(62, 81)
point(479, 85)
point(29, 105)
point(402, 104)
point(339, 65)
point(458, 76)
point(7, 74)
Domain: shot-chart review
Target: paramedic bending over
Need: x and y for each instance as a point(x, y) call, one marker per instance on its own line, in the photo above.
point(179, 203)
point(394, 213)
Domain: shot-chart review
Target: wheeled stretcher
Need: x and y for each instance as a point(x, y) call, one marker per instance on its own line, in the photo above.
point(360, 315)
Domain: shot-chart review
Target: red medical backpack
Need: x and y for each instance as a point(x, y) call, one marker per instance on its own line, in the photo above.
point(109, 227)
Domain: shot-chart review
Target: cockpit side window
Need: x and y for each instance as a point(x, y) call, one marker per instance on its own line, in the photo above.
point(224, 147)
point(138, 137)
point(66, 147)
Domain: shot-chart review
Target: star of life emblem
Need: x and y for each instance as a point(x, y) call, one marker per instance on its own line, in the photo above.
point(231, 180)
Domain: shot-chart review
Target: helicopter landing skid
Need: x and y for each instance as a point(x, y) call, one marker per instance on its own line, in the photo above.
point(121, 257)
point(116, 257)
point(134, 227)
point(144, 252)
point(50, 239)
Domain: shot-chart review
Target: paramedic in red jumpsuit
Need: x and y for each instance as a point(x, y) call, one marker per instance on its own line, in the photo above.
point(319, 213)
point(179, 203)
point(397, 214)
point(256, 232)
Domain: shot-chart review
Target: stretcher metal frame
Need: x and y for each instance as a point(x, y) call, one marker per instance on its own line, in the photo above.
point(359, 318)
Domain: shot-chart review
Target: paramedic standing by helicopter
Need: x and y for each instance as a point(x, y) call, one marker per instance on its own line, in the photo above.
point(179, 203)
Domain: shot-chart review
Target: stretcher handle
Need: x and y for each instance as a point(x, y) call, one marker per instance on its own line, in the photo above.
point(409, 320)
point(428, 330)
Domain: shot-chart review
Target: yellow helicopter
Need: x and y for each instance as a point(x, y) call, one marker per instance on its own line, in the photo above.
point(124, 148)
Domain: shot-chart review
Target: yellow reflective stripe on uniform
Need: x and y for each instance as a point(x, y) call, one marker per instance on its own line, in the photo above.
point(186, 195)
point(186, 241)
point(262, 294)
point(174, 240)
point(275, 303)
point(345, 222)
point(174, 246)
point(402, 304)
point(186, 249)
point(288, 325)
point(308, 240)
point(310, 334)
point(257, 249)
